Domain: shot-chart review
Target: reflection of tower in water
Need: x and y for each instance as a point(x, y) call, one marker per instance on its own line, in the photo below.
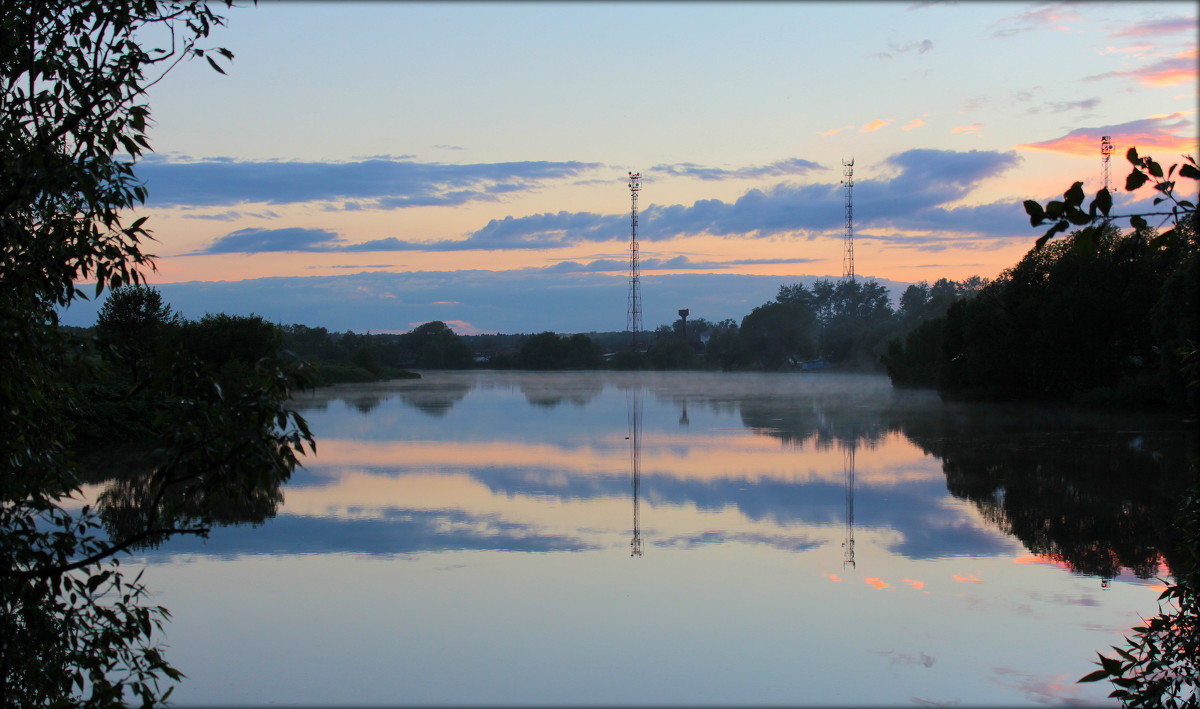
point(635, 463)
point(848, 466)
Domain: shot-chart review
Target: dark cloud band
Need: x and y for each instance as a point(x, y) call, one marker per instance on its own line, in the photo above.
point(385, 183)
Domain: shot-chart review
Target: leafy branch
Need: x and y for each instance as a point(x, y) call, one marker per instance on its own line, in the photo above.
point(1068, 212)
point(1159, 665)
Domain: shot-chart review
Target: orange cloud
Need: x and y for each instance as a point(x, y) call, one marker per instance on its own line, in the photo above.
point(1153, 133)
point(915, 584)
point(877, 583)
point(916, 123)
point(969, 578)
point(873, 126)
point(833, 577)
point(1126, 50)
point(1044, 560)
point(1051, 561)
point(834, 131)
point(967, 130)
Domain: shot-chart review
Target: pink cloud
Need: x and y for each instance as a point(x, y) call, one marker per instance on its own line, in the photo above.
point(1157, 28)
point(969, 578)
point(915, 584)
point(1052, 17)
point(1173, 71)
point(462, 327)
point(877, 583)
point(967, 130)
point(833, 577)
point(873, 126)
point(1154, 133)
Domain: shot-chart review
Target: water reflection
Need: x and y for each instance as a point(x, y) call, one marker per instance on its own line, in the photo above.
point(848, 545)
point(578, 389)
point(945, 531)
point(435, 399)
point(1091, 491)
point(1083, 490)
point(634, 398)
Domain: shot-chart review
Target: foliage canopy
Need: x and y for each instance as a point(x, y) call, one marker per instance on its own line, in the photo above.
point(74, 629)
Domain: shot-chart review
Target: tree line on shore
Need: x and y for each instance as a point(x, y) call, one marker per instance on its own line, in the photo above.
point(1106, 322)
point(843, 324)
point(1099, 317)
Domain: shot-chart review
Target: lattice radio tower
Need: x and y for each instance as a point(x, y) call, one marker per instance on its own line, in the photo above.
point(848, 257)
point(1106, 148)
point(633, 322)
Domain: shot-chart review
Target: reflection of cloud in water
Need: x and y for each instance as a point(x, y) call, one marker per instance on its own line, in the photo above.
point(1017, 467)
point(904, 658)
point(1058, 690)
point(781, 542)
point(926, 528)
point(400, 531)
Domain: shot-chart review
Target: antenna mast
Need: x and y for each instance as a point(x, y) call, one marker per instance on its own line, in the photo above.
point(635, 465)
point(633, 322)
point(1106, 148)
point(848, 465)
point(848, 258)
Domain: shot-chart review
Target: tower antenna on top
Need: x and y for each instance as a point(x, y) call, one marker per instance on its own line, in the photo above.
point(633, 321)
point(848, 257)
point(1106, 148)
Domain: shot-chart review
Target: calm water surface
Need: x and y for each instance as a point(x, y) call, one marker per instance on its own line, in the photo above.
point(679, 538)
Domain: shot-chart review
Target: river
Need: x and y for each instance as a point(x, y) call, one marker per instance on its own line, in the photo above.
point(608, 538)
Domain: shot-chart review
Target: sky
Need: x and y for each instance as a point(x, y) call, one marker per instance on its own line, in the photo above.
point(372, 166)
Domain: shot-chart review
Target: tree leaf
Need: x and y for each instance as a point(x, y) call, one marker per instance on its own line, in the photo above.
point(1074, 195)
point(1136, 179)
point(1079, 218)
point(1036, 214)
point(1093, 677)
point(1110, 666)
